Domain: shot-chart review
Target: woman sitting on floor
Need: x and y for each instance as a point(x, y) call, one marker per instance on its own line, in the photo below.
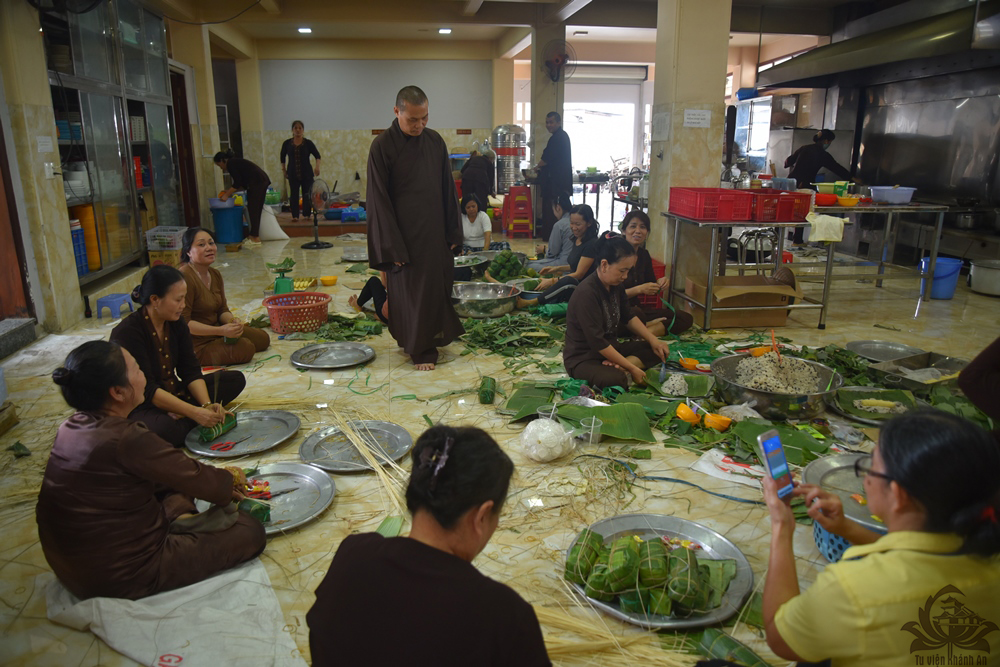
point(477, 228)
point(219, 338)
point(581, 261)
point(561, 237)
point(642, 281)
point(933, 480)
point(598, 314)
point(112, 510)
point(457, 487)
point(177, 396)
point(374, 291)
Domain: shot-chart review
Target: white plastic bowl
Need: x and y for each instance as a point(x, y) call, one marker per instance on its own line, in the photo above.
point(887, 194)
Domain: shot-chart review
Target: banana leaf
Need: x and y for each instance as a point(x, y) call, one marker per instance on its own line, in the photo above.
point(660, 603)
point(698, 385)
point(720, 574)
point(653, 567)
point(623, 564)
point(800, 447)
point(583, 556)
point(525, 401)
point(597, 584)
point(634, 601)
point(650, 403)
point(717, 644)
point(622, 421)
point(845, 400)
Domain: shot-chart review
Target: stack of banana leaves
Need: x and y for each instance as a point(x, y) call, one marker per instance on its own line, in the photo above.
point(648, 577)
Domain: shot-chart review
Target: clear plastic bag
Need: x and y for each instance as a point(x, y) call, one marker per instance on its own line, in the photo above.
point(740, 412)
point(545, 440)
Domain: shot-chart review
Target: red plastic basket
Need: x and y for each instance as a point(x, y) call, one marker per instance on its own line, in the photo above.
point(298, 311)
point(711, 203)
point(770, 205)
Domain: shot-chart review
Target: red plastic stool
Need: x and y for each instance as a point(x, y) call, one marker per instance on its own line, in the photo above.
point(519, 200)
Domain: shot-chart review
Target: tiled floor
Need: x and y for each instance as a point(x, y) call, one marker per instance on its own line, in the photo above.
point(548, 504)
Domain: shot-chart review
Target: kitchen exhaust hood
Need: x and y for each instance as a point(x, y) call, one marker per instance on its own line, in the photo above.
point(931, 37)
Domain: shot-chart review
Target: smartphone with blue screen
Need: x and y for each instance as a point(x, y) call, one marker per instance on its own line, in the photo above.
point(773, 456)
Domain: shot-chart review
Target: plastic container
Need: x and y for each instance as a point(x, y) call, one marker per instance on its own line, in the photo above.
point(711, 203)
point(984, 276)
point(215, 202)
point(825, 188)
point(228, 224)
point(848, 200)
point(80, 252)
point(770, 205)
point(889, 195)
point(165, 238)
point(945, 278)
point(299, 311)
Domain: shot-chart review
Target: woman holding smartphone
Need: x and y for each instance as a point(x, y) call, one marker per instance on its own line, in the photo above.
point(933, 480)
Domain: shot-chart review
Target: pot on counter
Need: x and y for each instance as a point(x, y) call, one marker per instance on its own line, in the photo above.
point(984, 276)
point(966, 220)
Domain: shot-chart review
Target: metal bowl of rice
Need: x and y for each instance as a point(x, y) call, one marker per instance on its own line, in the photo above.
point(803, 402)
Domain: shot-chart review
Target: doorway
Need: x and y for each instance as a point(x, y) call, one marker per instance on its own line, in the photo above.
point(185, 165)
point(14, 294)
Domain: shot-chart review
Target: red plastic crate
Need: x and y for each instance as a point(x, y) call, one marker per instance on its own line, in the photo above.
point(770, 205)
point(659, 268)
point(711, 203)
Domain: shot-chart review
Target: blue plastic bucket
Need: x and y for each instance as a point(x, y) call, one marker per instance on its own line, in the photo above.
point(945, 276)
point(228, 224)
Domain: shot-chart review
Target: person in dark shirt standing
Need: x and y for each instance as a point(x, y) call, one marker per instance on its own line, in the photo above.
point(246, 176)
point(477, 179)
point(441, 610)
point(805, 163)
point(298, 171)
point(555, 169)
point(980, 382)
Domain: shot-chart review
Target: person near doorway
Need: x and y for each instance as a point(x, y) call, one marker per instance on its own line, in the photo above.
point(246, 176)
point(476, 179)
point(414, 228)
point(555, 169)
point(298, 170)
point(805, 163)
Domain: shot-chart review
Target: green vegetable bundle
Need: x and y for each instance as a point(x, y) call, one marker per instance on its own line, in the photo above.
point(210, 433)
point(660, 603)
point(487, 390)
point(506, 266)
point(256, 509)
point(597, 586)
point(583, 556)
point(653, 567)
point(623, 564)
point(685, 585)
point(287, 264)
point(635, 601)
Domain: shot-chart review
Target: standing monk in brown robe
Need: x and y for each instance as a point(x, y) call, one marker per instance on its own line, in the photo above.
point(413, 226)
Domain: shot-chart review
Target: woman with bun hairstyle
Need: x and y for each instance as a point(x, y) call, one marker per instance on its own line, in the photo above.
point(219, 338)
point(642, 281)
point(598, 313)
point(177, 396)
point(295, 166)
point(246, 176)
point(555, 289)
point(934, 480)
point(804, 164)
point(115, 512)
point(457, 616)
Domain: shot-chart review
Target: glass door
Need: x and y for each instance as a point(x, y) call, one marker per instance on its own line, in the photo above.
point(132, 38)
point(113, 207)
point(156, 53)
point(165, 190)
point(92, 46)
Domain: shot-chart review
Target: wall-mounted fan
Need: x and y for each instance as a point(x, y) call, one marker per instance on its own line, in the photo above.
point(558, 60)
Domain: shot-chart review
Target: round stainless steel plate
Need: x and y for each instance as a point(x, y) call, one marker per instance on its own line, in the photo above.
point(882, 350)
point(267, 429)
point(836, 475)
point(331, 450)
point(313, 493)
point(715, 547)
point(355, 255)
point(339, 354)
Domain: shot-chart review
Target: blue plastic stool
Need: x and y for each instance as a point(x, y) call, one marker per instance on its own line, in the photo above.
point(114, 303)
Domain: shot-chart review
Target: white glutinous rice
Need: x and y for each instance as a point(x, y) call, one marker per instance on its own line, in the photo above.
point(675, 385)
point(793, 376)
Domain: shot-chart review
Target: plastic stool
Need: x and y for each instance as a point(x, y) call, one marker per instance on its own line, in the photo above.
point(114, 303)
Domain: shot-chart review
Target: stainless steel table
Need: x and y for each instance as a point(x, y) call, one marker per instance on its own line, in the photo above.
point(890, 214)
point(717, 264)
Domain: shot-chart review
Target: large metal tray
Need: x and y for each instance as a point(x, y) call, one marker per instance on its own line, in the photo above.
point(888, 374)
point(832, 404)
point(267, 429)
point(355, 255)
point(338, 354)
point(331, 450)
point(835, 474)
point(882, 350)
point(715, 547)
point(314, 491)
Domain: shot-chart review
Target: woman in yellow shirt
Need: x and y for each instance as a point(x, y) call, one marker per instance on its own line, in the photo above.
point(928, 592)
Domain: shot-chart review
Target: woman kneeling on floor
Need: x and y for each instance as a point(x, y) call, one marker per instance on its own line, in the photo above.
point(113, 508)
point(219, 338)
point(597, 314)
point(176, 397)
point(930, 585)
point(449, 613)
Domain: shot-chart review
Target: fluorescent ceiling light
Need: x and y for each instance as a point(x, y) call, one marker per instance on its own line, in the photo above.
point(444, 31)
point(305, 31)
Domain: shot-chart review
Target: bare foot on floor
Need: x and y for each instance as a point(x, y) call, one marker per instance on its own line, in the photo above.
point(353, 302)
point(424, 367)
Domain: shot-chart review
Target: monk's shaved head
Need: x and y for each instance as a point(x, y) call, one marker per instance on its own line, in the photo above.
point(410, 95)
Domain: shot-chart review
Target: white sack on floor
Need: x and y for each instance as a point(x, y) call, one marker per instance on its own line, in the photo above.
point(270, 230)
point(232, 618)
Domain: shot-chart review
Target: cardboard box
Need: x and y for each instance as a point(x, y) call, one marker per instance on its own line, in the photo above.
point(741, 292)
point(168, 257)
